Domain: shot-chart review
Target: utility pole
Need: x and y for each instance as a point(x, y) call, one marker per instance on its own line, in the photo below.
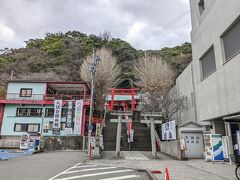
point(92, 68)
point(11, 75)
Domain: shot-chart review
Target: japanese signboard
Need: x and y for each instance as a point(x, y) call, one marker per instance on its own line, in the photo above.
point(45, 126)
point(97, 134)
point(57, 117)
point(101, 141)
point(69, 118)
point(131, 135)
point(78, 117)
point(169, 130)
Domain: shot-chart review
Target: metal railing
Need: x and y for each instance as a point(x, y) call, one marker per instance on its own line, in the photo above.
point(47, 97)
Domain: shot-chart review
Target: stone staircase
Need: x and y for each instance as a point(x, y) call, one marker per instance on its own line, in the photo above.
point(141, 138)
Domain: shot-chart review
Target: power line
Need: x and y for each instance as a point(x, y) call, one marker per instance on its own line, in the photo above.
point(165, 27)
point(173, 30)
point(171, 24)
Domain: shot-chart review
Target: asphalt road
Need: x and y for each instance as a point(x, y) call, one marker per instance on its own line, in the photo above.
point(63, 165)
point(93, 171)
point(40, 166)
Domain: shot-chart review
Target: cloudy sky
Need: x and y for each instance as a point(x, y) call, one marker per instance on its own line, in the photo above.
point(145, 24)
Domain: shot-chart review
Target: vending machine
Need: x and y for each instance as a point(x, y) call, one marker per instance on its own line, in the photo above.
point(213, 147)
point(31, 141)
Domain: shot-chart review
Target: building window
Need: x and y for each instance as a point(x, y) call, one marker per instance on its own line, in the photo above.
point(26, 127)
point(29, 112)
point(18, 128)
point(201, 6)
point(231, 41)
point(49, 112)
point(25, 92)
point(208, 63)
point(33, 128)
point(62, 125)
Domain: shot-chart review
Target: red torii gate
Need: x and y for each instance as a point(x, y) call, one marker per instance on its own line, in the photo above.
point(128, 92)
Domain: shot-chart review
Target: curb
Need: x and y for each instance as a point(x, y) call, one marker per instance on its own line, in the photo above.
point(149, 174)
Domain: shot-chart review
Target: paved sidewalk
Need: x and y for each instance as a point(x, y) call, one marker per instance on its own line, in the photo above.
point(178, 170)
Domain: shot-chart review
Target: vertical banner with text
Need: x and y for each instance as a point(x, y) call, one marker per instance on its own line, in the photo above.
point(78, 117)
point(69, 118)
point(57, 117)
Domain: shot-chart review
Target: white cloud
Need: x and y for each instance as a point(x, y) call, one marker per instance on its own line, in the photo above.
point(135, 21)
point(6, 34)
point(136, 32)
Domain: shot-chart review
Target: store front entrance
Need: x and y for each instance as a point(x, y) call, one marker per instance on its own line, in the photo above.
point(235, 133)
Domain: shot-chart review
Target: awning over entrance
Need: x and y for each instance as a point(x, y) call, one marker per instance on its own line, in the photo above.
point(235, 117)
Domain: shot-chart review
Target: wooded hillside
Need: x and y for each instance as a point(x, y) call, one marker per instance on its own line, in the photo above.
point(58, 56)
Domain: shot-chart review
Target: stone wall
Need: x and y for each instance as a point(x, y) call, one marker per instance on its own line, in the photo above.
point(51, 143)
point(63, 143)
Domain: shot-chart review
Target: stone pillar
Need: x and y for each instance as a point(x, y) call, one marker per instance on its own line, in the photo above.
point(153, 139)
point(119, 132)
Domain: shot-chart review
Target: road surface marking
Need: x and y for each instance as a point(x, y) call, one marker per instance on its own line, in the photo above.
point(134, 155)
point(96, 174)
point(122, 177)
point(90, 165)
point(64, 171)
point(93, 169)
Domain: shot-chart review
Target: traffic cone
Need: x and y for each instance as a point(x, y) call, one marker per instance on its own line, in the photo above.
point(166, 174)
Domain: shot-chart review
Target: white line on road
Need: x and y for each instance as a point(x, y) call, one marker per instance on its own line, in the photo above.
point(122, 177)
point(93, 169)
point(64, 171)
point(90, 165)
point(95, 174)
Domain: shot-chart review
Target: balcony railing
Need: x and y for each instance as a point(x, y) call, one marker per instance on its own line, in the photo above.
point(47, 97)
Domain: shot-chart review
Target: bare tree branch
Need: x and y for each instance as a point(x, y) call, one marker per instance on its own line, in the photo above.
point(156, 78)
point(107, 75)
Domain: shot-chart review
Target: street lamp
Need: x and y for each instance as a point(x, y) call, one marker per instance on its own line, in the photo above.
point(92, 69)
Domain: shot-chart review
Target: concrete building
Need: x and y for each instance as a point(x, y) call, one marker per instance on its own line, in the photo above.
point(29, 106)
point(210, 85)
point(187, 126)
point(216, 66)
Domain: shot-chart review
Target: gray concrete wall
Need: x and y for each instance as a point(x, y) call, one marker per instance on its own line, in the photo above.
point(171, 148)
point(9, 143)
point(184, 85)
point(217, 95)
point(198, 18)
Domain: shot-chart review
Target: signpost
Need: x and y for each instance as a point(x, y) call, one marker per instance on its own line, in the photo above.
point(96, 154)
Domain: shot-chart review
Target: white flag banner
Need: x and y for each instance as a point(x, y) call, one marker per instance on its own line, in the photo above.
point(78, 117)
point(57, 117)
point(69, 118)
